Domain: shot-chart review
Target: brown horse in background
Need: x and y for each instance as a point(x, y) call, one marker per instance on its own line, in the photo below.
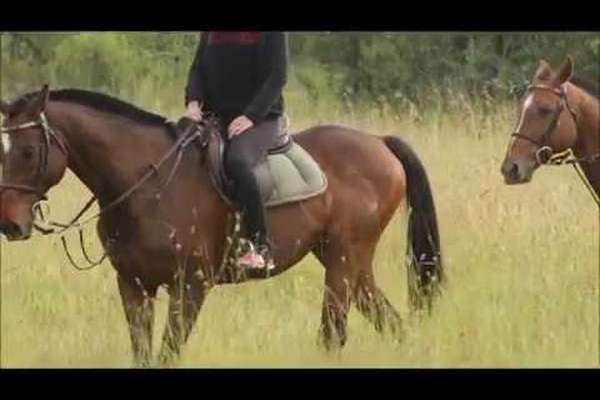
point(555, 115)
point(175, 236)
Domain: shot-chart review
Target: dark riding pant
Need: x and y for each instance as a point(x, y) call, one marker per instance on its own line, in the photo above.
point(243, 153)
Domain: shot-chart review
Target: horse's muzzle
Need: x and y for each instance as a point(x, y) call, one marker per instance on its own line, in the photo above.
point(14, 231)
point(516, 173)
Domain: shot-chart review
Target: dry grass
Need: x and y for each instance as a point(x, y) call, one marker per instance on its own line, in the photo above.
point(522, 264)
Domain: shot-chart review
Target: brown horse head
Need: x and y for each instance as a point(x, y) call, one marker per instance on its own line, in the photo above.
point(546, 124)
point(32, 160)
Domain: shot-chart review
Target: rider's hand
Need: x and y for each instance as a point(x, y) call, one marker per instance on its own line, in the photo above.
point(194, 111)
point(239, 125)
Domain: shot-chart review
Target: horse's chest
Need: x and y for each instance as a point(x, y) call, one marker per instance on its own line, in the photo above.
point(142, 247)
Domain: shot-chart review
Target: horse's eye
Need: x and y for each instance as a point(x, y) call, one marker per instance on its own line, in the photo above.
point(28, 152)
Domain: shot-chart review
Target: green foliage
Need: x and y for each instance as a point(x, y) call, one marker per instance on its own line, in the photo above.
point(386, 71)
point(90, 60)
point(388, 67)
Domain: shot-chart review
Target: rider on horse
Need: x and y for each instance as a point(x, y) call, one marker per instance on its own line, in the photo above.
point(239, 77)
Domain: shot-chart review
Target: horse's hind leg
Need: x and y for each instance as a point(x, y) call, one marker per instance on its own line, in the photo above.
point(139, 311)
point(349, 277)
point(342, 271)
point(373, 304)
point(185, 300)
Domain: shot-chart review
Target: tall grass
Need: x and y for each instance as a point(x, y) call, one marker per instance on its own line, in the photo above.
point(522, 266)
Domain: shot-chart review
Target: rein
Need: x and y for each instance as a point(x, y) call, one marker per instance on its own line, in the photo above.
point(177, 148)
point(567, 157)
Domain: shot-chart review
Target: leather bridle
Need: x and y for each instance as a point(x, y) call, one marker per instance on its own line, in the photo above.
point(47, 136)
point(544, 151)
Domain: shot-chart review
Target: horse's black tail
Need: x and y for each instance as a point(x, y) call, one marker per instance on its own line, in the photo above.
point(424, 260)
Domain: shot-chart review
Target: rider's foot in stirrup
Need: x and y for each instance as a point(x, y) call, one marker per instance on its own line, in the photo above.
point(256, 259)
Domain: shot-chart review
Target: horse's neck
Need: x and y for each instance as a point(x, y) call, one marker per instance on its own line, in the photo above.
point(588, 123)
point(588, 134)
point(106, 154)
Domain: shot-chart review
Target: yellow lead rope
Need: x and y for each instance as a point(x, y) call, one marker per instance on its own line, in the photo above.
point(567, 157)
point(587, 183)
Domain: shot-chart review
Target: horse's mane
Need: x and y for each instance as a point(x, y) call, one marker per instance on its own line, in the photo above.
point(98, 101)
point(592, 86)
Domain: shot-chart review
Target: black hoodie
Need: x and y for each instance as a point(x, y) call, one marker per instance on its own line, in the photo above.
point(237, 73)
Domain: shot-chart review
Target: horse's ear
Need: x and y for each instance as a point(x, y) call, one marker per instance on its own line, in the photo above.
point(543, 71)
point(566, 71)
point(3, 108)
point(42, 99)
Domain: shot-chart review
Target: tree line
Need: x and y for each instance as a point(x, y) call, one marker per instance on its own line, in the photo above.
point(347, 67)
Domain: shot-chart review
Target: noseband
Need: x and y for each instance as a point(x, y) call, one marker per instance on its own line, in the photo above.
point(47, 135)
point(542, 144)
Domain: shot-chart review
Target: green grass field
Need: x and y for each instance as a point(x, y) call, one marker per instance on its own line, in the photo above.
point(522, 265)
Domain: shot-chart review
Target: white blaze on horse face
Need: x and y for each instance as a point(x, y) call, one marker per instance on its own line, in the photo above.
point(6, 145)
point(5, 142)
point(526, 104)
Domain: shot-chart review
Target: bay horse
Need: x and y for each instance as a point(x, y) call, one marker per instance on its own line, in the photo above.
point(168, 210)
point(556, 115)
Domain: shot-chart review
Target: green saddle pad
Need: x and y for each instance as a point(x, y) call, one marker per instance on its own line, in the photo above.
point(296, 176)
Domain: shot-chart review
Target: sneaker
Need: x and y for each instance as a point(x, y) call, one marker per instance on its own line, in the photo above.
point(252, 259)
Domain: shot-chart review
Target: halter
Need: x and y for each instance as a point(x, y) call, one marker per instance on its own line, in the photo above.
point(47, 135)
point(567, 156)
point(542, 144)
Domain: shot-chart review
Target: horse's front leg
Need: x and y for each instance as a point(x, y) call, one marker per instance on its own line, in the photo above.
point(185, 300)
point(139, 310)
